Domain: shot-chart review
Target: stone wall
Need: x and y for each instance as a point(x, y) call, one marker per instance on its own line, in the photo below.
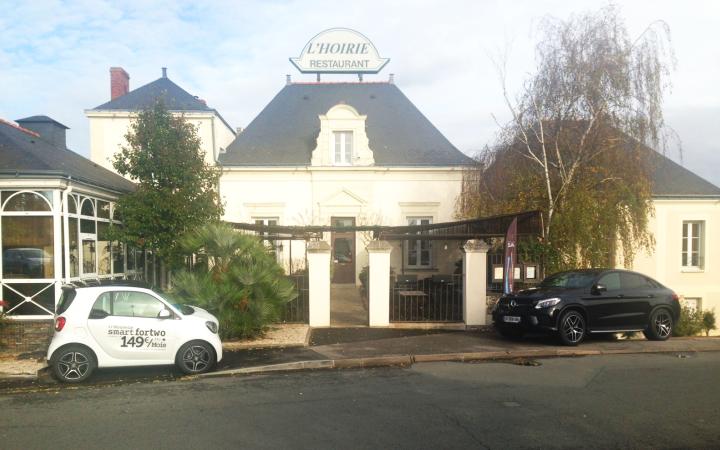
point(25, 335)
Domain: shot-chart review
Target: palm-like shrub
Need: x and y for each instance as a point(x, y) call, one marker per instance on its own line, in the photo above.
point(237, 279)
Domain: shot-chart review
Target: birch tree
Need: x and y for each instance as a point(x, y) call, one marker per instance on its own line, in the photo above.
point(582, 129)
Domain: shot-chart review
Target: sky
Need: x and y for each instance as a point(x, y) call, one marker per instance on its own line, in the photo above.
point(55, 57)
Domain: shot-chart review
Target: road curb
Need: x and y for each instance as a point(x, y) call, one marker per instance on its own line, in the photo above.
point(378, 361)
point(346, 363)
point(409, 360)
point(43, 375)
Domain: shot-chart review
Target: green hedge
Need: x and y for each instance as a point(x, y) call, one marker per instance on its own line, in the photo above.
point(694, 322)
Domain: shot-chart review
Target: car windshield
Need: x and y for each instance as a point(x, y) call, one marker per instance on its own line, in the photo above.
point(184, 309)
point(569, 280)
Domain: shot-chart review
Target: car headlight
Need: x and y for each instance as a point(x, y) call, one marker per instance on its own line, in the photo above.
point(212, 326)
point(548, 302)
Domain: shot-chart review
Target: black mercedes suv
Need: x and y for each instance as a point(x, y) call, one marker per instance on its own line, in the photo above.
point(575, 303)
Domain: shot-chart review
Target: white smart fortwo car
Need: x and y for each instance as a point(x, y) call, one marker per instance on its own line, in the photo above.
point(121, 324)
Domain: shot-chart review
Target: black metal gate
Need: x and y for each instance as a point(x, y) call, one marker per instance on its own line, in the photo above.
point(438, 298)
point(298, 309)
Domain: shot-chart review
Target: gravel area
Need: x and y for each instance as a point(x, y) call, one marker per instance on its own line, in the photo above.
point(18, 364)
point(295, 335)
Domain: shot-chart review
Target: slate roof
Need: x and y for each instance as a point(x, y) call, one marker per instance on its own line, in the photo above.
point(285, 132)
point(23, 152)
point(670, 179)
point(175, 98)
point(40, 119)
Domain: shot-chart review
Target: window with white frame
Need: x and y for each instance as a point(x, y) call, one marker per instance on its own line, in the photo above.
point(267, 221)
point(693, 244)
point(692, 303)
point(27, 241)
point(343, 148)
point(418, 253)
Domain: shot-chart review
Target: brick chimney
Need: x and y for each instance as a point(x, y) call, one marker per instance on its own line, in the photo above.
point(119, 82)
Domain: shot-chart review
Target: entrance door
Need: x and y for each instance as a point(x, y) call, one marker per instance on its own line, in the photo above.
point(343, 250)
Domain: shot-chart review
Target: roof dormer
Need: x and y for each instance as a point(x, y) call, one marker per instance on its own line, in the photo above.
point(342, 140)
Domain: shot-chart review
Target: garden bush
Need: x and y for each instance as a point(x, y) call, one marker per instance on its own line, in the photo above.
point(238, 280)
point(690, 323)
point(708, 321)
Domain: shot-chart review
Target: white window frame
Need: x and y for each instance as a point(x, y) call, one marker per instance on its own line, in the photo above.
point(417, 220)
point(687, 240)
point(694, 303)
point(270, 245)
point(49, 283)
point(346, 156)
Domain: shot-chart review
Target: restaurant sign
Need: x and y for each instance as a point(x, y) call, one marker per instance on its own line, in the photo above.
point(339, 50)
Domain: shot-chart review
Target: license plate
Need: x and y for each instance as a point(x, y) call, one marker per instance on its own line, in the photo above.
point(511, 319)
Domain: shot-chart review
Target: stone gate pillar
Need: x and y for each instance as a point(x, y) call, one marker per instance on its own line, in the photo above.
point(475, 282)
point(379, 281)
point(318, 258)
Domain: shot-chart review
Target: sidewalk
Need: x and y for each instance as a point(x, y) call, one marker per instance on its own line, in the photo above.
point(335, 348)
point(296, 348)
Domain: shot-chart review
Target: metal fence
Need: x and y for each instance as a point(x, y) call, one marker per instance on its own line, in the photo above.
point(438, 298)
point(298, 309)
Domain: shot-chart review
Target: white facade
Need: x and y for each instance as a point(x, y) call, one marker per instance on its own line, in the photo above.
point(372, 195)
point(108, 130)
point(697, 281)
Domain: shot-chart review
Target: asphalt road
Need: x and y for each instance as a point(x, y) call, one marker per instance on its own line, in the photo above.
point(628, 401)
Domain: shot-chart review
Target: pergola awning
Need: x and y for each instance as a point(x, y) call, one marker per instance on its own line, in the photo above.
point(529, 223)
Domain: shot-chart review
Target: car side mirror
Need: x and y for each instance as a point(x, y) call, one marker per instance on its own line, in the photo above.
point(598, 289)
point(164, 314)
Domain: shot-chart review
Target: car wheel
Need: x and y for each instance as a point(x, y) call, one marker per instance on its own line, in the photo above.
point(572, 328)
point(73, 364)
point(511, 332)
point(660, 326)
point(195, 357)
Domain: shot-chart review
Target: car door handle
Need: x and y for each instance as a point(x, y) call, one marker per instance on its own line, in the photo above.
point(650, 296)
point(621, 296)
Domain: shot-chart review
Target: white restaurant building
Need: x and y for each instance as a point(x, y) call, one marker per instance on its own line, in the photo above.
point(320, 153)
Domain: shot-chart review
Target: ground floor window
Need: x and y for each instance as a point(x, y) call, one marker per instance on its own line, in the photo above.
point(270, 244)
point(418, 253)
point(27, 246)
point(692, 303)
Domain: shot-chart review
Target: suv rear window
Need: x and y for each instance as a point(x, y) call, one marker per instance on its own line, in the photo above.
point(66, 299)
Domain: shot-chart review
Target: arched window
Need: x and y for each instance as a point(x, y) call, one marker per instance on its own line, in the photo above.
point(71, 205)
point(26, 201)
point(88, 235)
point(87, 209)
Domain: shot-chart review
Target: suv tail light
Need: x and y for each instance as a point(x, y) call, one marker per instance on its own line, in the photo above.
point(675, 297)
point(60, 323)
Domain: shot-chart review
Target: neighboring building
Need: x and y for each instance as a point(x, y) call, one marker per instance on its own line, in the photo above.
point(55, 209)
point(110, 121)
point(686, 227)
point(346, 154)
